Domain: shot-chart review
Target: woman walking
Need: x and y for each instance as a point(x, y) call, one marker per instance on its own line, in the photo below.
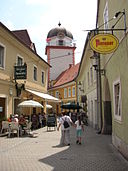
point(79, 128)
point(65, 122)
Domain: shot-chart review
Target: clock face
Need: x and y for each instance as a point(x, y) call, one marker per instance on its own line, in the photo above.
point(60, 35)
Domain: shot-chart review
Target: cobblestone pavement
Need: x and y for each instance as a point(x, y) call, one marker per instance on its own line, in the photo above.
point(43, 153)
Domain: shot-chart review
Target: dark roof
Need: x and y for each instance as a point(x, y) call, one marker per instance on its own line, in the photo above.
point(53, 32)
point(24, 37)
point(16, 37)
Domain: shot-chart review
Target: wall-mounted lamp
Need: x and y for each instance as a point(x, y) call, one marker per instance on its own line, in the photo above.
point(10, 91)
point(19, 88)
point(80, 83)
point(112, 28)
point(119, 14)
point(95, 65)
point(81, 89)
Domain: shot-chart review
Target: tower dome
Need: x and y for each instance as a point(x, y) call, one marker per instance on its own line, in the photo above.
point(60, 51)
point(61, 31)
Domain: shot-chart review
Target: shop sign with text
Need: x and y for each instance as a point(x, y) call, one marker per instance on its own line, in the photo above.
point(20, 72)
point(104, 43)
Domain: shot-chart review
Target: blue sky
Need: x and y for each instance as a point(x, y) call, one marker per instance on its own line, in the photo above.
point(40, 16)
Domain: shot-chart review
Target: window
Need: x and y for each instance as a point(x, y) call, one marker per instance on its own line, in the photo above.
point(34, 110)
point(65, 93)
point(92, 109)
point(105, 16)
point(117, 99)
point(57, 94)
point(19, 61)
point(91, 75)
point(42, 77)
point(1, 56)
point(69, 92)
point(35, 73)
point(61, 42)
point(94, 74)
point(88, 78)
point(73, 91)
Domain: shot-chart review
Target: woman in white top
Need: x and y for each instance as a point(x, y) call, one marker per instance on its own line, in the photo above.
point(65, 131)
point(79, 127)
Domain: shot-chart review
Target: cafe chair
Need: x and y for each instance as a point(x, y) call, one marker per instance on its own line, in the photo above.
point(5, 126)
point(14, 126)
point(27, 128)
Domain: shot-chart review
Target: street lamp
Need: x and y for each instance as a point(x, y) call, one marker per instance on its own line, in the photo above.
point(95, 64)
point(117, 14)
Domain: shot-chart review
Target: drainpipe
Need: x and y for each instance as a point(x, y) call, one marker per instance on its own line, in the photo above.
point(99, 92)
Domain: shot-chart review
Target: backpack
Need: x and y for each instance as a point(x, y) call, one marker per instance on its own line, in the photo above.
point(66, 124)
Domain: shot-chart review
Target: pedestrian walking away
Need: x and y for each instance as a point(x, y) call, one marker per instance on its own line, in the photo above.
point(79, 128)
point(65, 122)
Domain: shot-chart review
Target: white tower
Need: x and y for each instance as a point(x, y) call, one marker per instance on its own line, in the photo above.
point(60, 51)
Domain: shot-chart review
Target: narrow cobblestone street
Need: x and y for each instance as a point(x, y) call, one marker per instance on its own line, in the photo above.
point(43, 153)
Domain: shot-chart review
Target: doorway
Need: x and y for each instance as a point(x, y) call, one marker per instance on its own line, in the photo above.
point(107, 129)
point(2, 108)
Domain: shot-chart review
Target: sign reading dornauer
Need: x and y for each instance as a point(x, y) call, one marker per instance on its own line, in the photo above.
point(104, 43)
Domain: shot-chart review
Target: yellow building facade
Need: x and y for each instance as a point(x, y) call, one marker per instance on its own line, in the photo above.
point(64, 87)
point(66, 93)
point(15, 52)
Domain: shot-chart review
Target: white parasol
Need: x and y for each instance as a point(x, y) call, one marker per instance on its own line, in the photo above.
point(48, 106)
point(30, 103)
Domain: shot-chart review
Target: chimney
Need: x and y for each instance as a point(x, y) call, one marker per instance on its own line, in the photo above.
point(70, 65)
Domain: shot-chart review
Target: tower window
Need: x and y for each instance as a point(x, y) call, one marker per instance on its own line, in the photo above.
point(61, 42)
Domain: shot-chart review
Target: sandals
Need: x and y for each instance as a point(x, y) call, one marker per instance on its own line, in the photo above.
point(77, 142)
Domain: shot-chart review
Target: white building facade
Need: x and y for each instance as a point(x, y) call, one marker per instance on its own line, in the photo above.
point(86, 85)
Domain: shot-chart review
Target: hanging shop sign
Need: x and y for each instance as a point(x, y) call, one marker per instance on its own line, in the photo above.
point(20, 72)
point(104, 43)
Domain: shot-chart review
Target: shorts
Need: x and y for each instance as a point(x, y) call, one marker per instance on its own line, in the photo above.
point(78, 132)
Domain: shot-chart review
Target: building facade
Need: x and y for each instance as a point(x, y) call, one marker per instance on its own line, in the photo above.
point(86, 85)
point(65, 87)
point(23, 73)
point(111, 18)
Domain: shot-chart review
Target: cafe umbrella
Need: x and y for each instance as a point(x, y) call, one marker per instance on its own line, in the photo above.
point(30, 104)
point(48, 106)
point(72, 106)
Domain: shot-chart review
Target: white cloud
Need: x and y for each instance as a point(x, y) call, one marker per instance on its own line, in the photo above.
point(75, 16)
